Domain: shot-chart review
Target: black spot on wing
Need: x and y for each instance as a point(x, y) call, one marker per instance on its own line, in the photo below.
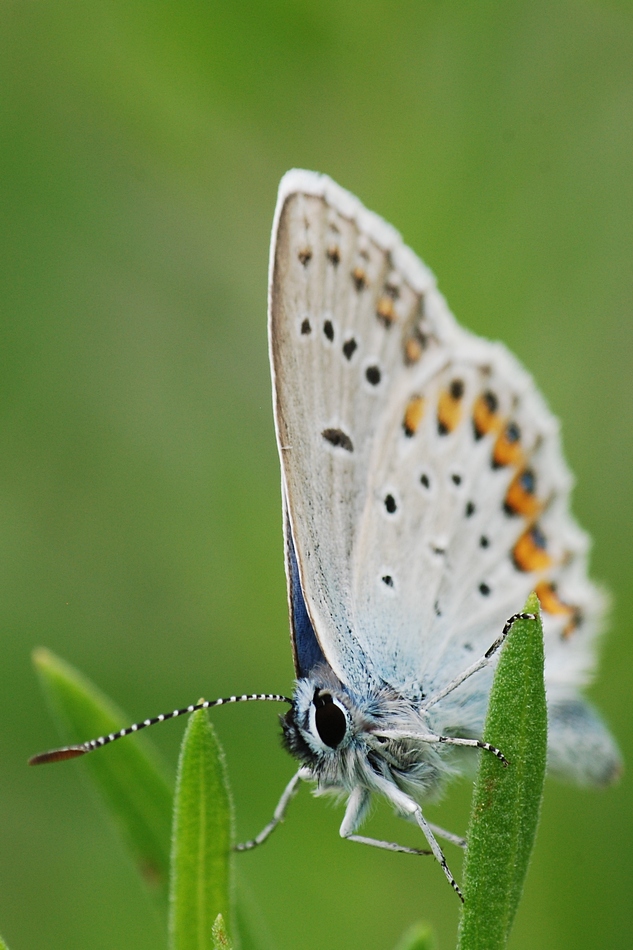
point(338, 438)
point(373, 375)
point(305, 255)
point(349, 347)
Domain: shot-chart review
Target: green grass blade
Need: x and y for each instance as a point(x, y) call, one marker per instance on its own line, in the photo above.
point(220, 937)
point(506, 801)
point(418, 937)
point(200, 886)
point(3, 945)
point(126, 774)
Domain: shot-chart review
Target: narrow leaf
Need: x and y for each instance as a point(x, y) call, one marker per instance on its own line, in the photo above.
point(126, 774)
point(3, 945)
point(200, 886)
point(418, 937)
point(220, 936)
point(506, 801)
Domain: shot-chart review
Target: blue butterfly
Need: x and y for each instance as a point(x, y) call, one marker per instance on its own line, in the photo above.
point(424, 496)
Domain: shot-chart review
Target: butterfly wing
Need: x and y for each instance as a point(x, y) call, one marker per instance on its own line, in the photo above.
point(306, 649)
point(327, 345)
point(425, 487)
point(466, 515)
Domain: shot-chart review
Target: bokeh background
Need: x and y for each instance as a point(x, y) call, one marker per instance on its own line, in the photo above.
point(140, 530)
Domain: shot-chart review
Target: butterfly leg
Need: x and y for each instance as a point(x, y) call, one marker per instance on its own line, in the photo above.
point(435, 848)
point(412, 810)
point(478, 664)
point(470, 743)
point(457, 840)
point(356, 810)
point(280, 811)
point(448, 740)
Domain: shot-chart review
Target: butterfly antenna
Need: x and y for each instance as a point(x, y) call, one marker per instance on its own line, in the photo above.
point(72, 751)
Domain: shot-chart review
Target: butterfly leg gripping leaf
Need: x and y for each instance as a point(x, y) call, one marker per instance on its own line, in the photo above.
point(480, 663)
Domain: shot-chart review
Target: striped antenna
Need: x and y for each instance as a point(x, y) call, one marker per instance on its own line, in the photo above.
point(72, 751)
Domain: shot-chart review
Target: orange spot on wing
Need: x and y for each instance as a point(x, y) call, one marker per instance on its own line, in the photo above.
point(507, 449)
point(385, 310)
point(485, 414)
point(359, 276)
point(529, 553)
point(552, 604)
point(519, 500)
point(413, 349)
point(413, 415)
point(449, 407)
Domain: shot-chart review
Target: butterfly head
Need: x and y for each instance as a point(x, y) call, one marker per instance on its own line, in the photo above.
point(346, 739)
point(323, 720)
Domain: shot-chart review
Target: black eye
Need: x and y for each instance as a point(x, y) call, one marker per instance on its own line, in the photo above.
point(329, 719)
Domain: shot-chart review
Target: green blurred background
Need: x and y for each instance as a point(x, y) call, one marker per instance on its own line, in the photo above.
point(140, 530)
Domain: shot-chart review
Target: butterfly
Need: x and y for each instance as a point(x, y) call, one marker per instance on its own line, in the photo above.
point(424, 496)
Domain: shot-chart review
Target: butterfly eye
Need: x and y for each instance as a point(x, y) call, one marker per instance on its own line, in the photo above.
point(329, 719)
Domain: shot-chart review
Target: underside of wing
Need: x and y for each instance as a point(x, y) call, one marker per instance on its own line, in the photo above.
point(306, 650)
point(466, 512)
point(425, 488)
point(347, 315)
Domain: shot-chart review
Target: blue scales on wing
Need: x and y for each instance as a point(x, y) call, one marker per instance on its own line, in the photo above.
point(306, 651)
